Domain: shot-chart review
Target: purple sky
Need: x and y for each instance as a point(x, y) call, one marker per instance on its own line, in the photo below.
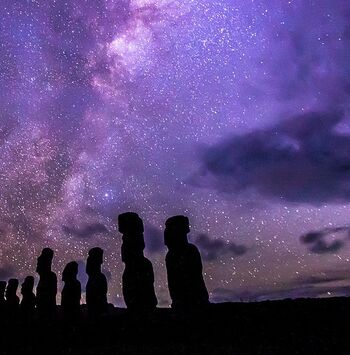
point(232, 112)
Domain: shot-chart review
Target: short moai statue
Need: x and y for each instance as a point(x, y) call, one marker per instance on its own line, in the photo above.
point(96, 287)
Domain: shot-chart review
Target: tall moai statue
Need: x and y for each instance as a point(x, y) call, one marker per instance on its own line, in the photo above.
point(12, 300)
point(47, 287)
point(96, 287)
point(138, 276)
point(28, 298)
point(184, 267)
point(71, 292)
point(2, 296)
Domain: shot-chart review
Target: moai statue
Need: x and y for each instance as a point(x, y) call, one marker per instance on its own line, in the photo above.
point(2, 296)
point(138, 276)
point(71, 293)
point(28, 302)
point(47, 287)
point(12, 300)
point(96, 287)
point(184, 267)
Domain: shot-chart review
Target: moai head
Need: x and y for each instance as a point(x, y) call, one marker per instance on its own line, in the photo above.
point(70, 271)
point(27, 285)
point(176, 230)
point(130, 223)
point(94, 261)
point(44, 261)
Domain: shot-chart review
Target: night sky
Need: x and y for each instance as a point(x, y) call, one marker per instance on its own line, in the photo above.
point(233, 112)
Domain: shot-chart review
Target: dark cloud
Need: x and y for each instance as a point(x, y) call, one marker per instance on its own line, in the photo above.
point(323, 279)
point(330, 282)
point(85, 232)
point(317, 243)
point(211, 249)
point(322, 247)
point(154, 239)
point(237, 295)
point(302, 159)
point(307, 291)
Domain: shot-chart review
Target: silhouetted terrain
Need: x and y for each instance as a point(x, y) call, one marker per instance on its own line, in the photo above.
point(192, 326)
point(305, 326)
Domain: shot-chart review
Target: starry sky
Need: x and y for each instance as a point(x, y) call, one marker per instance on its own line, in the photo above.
point(233, 112)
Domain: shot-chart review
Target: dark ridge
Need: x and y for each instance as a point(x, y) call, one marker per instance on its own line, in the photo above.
point(302, 326)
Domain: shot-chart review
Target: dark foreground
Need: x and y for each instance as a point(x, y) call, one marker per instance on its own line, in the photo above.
point(310, 326)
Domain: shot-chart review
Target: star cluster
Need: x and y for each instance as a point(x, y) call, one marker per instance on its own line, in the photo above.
point(232, 112)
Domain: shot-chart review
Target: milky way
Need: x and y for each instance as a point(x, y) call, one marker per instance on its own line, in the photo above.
point(232, 112)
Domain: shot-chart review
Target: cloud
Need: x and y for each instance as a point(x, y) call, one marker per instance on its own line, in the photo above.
point(154, 239)
point(82, 276)
point(325, 278)
point(6, 272)
point(329, 282)
point(317, 243)
point(107, 273)
point(307, 291)
point(85, 232)
point(212, 249)
point(303, 159)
